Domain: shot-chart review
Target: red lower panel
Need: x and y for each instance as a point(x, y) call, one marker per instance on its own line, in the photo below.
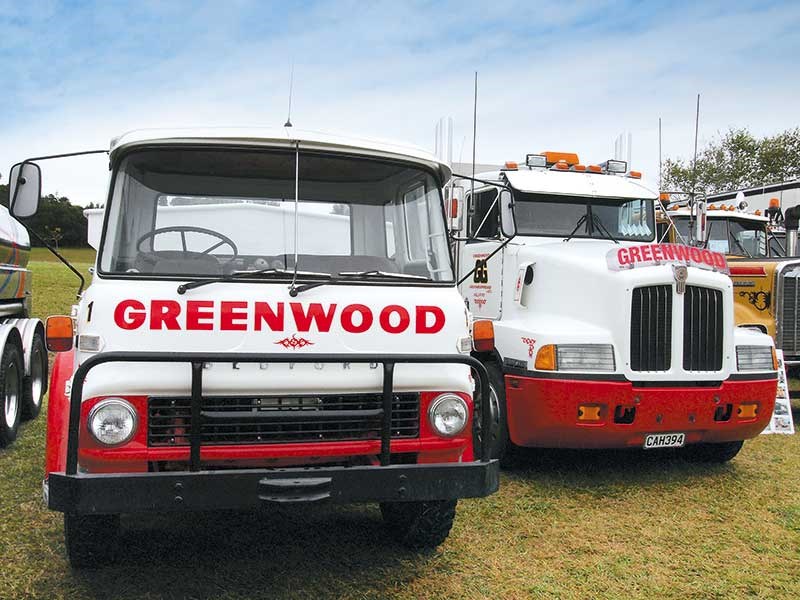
point(544, 412)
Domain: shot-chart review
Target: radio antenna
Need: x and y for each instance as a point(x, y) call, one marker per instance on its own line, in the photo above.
point(694, 163)
point(291, 82)
point(474, 132)
point(660, 168)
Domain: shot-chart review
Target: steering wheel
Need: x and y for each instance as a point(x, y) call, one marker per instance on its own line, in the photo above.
point(154, 255)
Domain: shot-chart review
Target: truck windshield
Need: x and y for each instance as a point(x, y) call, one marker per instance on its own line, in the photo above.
point(556, 215)
point(178, 212)
point(731, 236)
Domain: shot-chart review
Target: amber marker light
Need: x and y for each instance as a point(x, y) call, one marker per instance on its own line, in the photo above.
point(594, 169)
point(635, 174)
point(546, 358)
point(588, 412)
point(747, 411)
point(59, 333)
point(483, 336)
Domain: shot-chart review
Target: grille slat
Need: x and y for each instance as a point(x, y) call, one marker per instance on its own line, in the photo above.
point(651, 328)
point(280, 420)
point(787, 313)
point(702, 329)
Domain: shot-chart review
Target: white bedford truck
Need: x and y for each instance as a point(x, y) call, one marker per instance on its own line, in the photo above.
point(603, 337)
point(23, 356)
point(230, 353)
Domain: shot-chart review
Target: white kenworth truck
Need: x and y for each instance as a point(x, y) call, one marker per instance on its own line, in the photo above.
point(602, 336)
point(231, 352)
point(23, 356)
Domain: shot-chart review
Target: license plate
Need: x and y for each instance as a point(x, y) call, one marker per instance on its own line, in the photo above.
point(664, 440)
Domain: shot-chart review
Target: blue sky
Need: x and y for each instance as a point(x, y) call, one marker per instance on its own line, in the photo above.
point(565, 76)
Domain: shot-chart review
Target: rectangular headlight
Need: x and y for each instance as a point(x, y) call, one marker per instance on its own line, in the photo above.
point(615, 166)
point(585, 357)
point(754, 358)
point(536, 160)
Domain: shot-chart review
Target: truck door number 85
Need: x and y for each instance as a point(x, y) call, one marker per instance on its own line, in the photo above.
point(481, 271)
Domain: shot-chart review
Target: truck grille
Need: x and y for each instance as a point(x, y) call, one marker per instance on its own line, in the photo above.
point(651, 328)
point(272, 420)
point(702, 329)
point(788, 321)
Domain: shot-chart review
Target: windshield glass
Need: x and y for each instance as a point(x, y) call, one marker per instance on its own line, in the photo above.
point(555, 215)
point(178, 212)
point(731, 236)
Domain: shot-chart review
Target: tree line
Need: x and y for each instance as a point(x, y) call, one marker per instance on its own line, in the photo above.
point(58, 221)
point(736, 160)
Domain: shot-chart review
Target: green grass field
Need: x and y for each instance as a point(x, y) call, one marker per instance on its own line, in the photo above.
point(564, 525)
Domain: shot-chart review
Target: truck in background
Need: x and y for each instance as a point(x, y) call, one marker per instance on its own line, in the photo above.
point(603, 337)
point(224, 358)
point(766, 278)
point(23, 356)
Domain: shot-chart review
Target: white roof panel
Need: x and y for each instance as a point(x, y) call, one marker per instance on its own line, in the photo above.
point(571, 183)
point(281, 137)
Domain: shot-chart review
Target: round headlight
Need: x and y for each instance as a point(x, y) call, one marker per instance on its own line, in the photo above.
point(448, 415)
point(112, 422)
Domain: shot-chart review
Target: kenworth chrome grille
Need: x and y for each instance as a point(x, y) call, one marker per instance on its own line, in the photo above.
point(651, 328)
point(787, 314)
point(271, 420)
point(702, 329)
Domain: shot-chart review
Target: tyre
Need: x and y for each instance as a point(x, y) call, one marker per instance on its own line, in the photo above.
point(91, 540)
point(419, 525)
point(35, 385)
point(11, 370)
point(499, 442)
point(712, 453)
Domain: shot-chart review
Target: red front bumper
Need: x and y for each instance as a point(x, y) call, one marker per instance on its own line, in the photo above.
point(544, 412)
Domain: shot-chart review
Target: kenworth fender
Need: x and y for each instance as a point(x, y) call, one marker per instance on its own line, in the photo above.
point(27, 329)
point(58, 413)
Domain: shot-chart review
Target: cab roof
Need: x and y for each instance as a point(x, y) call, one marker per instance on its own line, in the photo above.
point(570, 183)
point(284, 137)
point(721, 214)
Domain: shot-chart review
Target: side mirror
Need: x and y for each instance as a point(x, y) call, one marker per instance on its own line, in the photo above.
point(700, 223)
point(508, 225)
point(455, 209)
point(25, 189)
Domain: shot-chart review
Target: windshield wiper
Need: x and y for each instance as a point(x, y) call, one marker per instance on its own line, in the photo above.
point(190, 285)
point(580, 222)
point(354, 275)
point(742, 248)
point(599, 224)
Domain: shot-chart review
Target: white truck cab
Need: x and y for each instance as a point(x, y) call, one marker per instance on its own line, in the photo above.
point(273, 317)
point(602, 336)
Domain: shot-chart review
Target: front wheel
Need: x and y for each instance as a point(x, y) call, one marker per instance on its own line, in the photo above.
point(712, 453)
point(10, 392)
point(91, 540)
point(35, 385)
point(419, 525)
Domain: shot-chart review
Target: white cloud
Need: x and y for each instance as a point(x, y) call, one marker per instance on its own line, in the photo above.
point(551, 79)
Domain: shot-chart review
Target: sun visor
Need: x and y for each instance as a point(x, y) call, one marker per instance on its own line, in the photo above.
point(577, 184)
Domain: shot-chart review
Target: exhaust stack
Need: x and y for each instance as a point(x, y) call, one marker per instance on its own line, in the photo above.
point(791, 221)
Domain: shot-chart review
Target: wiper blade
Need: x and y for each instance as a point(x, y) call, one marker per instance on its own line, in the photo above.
point(742, 248)
point(354, 275)
point(190, 285)
point(382, 274)
point(599, 224)
point(580, 222)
